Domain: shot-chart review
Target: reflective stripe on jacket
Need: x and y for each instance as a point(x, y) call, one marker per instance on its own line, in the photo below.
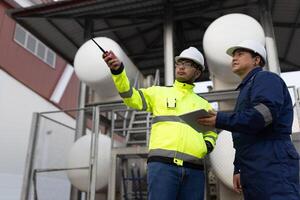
point(169, 137)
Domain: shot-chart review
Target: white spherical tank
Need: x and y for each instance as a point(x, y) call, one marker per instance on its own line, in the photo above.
point(222, 158)
point(92, 70)
point(79, 157)
point(223, 33)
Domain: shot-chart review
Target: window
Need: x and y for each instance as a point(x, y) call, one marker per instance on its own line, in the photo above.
point(41, 51)
point(36, 47)
point(50, 57)
point(20, 35)
point(31, 43)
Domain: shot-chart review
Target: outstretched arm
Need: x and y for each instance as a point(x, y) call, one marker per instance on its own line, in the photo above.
point(135, 98)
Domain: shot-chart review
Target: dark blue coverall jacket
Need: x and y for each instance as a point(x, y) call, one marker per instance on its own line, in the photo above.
point(261, 126)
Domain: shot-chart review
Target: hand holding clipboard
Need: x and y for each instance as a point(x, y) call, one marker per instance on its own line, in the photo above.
point(210, 120)
point(192, 119)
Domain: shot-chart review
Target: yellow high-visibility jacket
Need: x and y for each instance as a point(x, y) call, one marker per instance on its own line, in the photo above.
point(169, 137)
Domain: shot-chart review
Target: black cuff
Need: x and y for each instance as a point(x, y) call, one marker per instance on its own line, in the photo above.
point(118, 71)
point(236, 171)
point(209, 146)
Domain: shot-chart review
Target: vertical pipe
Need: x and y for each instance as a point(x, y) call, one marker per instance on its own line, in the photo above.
point(297, 102)
point(28, 174)
point(80, 121)
point(168, 46)
point(112, 178)
point(75, 194)
point(134, 185)
point(139, 178)
point(272, 54)
point(82, 99)
point(94, 154)
point(124, 184)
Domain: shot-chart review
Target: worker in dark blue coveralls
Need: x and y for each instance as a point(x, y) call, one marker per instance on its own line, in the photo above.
point(266, 165)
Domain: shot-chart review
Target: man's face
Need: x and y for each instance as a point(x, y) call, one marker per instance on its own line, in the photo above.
point(186, 71)
point(242, 62)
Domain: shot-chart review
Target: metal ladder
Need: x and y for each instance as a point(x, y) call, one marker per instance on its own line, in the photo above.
point(140, 123)
point(139, 128)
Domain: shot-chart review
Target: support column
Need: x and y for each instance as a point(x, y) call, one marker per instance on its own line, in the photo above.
point(168, 46)
point(273, 64)
point(94, 154)
point(30, 157)
point(82, 99)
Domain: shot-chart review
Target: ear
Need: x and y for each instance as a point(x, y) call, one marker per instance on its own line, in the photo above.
point(197, 74)
point(257, 60)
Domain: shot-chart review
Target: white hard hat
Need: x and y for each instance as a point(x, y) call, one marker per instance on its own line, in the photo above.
point(251, 45)
point(192, 54)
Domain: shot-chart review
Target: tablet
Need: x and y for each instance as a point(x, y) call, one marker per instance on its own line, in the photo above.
point(191, 119)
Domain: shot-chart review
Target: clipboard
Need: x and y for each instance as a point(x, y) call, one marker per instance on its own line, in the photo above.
point(191, 119)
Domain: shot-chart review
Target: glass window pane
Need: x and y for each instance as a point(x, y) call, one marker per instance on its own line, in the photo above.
point(50, 57)
point(31, 43)
point(41, 50)
point(20, 35)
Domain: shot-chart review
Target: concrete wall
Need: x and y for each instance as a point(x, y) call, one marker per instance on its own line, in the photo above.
point(17, 103)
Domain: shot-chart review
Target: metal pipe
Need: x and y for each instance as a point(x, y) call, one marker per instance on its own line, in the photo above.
point(82, 99)
point(60, 111)
point(296, 92)
point(112, 178)
point(94, 154)
point(272, 54)
point(28, 174)
point(168, 46)
point(58, 122)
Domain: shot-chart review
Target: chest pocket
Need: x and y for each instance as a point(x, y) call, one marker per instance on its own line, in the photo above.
point(166, 105)
point(171, 102)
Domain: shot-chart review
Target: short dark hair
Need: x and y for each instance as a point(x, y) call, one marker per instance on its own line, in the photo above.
point(253, 54)
point(261, 62)
point(201, 73)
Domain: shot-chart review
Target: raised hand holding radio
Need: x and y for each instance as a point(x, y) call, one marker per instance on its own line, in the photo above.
point(111, 60)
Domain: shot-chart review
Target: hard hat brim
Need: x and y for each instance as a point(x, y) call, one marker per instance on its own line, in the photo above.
point(232, 49)
point(195, 61)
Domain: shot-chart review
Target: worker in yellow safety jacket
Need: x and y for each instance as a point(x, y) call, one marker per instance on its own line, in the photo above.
point(176, 150)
